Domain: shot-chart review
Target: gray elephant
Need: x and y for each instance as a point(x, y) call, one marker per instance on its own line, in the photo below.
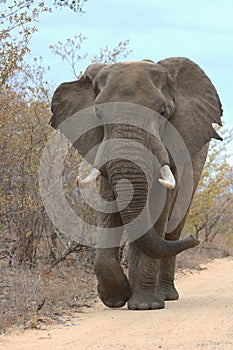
point(178, 95)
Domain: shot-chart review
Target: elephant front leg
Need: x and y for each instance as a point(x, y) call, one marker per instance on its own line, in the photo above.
point(143, 277)
point(113, 285)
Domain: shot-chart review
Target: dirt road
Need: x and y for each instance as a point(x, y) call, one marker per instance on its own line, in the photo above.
point(201, 319)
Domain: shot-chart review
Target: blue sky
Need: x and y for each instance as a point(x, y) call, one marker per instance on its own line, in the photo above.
point(199, 29)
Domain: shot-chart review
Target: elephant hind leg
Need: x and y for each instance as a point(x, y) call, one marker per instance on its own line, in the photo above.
point(167, 286)
point(113, 285)
point(167, 268)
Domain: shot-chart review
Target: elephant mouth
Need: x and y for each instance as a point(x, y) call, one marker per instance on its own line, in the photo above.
point(167, 178)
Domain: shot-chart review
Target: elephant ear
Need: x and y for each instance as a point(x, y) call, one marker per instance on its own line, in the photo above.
point(197, 103)
point(70, 98)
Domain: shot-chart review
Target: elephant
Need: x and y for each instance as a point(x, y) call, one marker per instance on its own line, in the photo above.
point(177, 93)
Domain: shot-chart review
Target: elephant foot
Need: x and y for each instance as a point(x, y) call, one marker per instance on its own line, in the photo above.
point(145, 301)
point(168, 291)
point(114, 292)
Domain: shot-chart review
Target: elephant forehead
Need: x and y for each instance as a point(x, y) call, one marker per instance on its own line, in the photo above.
point(137, 69)
point(138, 65)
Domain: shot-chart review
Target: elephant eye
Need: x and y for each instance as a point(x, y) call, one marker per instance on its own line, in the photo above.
point(163, 111)
point(52, 110)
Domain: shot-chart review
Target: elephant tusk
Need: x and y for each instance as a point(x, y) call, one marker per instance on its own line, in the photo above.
point(91, 177)
point(168, 179)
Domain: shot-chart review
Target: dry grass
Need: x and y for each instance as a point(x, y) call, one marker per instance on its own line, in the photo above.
point(29, 297)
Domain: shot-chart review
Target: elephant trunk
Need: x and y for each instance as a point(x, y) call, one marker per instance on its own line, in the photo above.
point(135, 214)
point(153, 245)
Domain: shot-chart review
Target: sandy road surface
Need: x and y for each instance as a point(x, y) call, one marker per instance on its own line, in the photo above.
point(201, 319)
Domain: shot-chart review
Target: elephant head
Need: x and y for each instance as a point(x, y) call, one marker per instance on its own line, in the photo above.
point(175, 89)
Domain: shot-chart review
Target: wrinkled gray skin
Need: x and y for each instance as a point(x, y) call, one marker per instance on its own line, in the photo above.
point(179, 90)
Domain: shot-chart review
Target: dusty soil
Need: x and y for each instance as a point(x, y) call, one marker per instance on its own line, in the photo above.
point(201, 319)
